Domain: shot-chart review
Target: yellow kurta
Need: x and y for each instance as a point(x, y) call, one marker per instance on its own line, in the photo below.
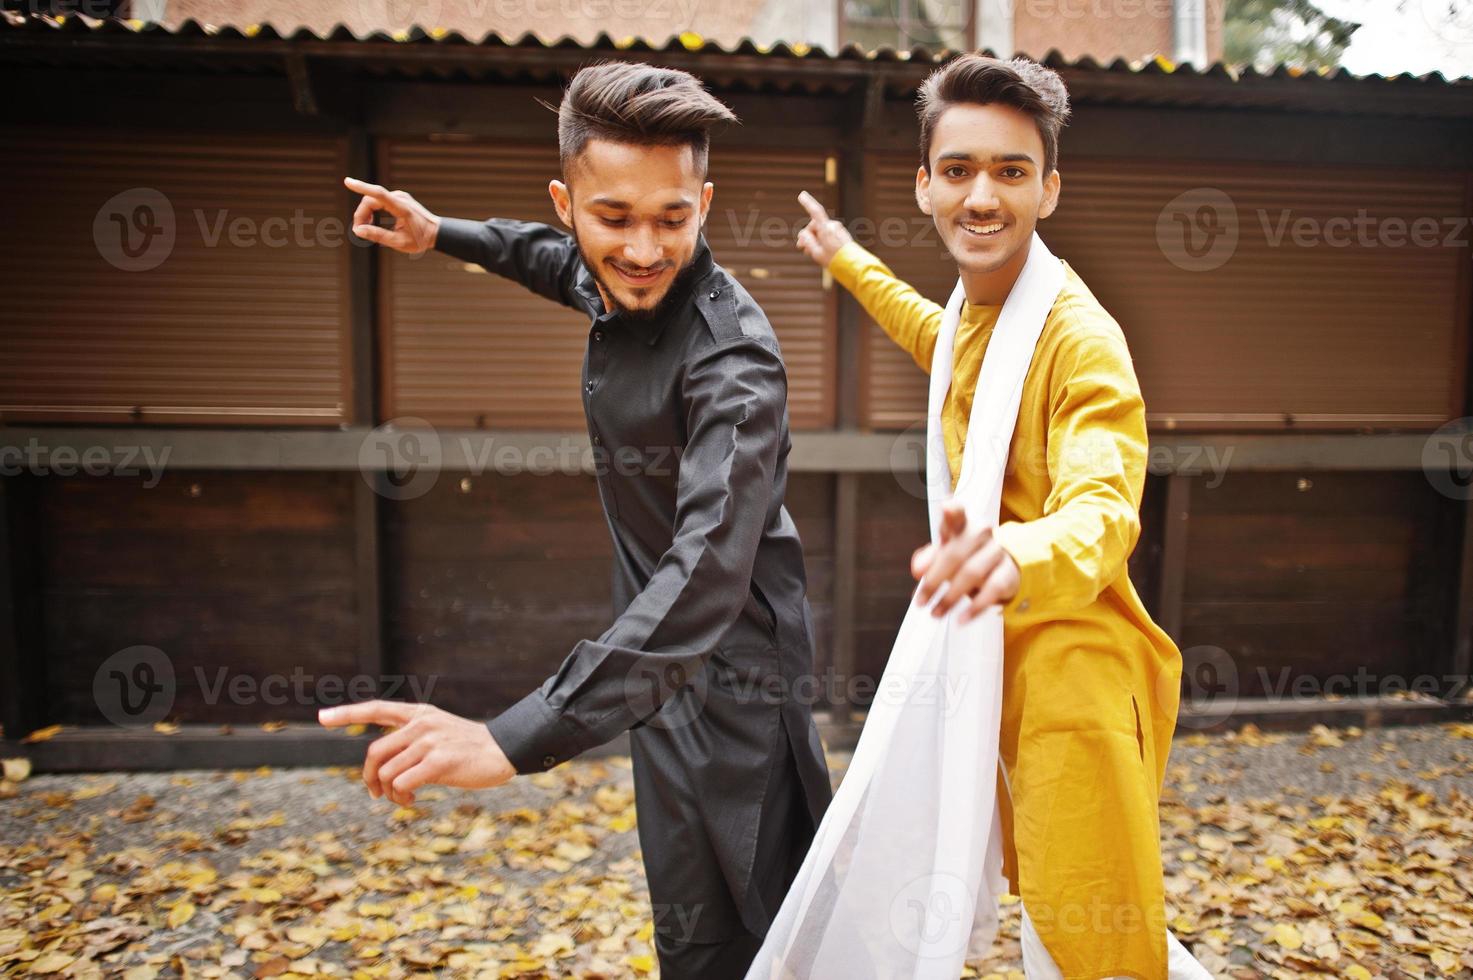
point(1090, 682)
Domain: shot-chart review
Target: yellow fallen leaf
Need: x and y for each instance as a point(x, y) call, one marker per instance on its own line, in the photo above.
point(53, 911)
point(17, 769)
point(42, 734)
point(52, 962)
point(642, 963)
point(143, 972)
point(180, 914)
point(165, 727)
point(1286, 936)
point(1357, 972)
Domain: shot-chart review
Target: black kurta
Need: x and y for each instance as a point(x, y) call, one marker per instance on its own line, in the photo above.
point(713, 638)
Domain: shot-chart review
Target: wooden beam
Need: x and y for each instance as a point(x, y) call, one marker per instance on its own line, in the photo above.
point(1174, 553)
point(300, 76)
point(511, 451)
point(95, 748)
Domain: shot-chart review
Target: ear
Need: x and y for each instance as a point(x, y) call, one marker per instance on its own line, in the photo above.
point(562, 200)
point(923, 190)
point(1051, 185)
point(706, 193)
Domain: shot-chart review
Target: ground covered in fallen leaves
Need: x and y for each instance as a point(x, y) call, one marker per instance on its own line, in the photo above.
point(1336, 853)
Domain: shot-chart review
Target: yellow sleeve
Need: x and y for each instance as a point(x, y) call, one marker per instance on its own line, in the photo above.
point(1097, 453)
point(911, 320)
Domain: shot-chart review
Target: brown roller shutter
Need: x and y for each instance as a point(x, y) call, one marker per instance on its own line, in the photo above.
point(225, 303)
point(896, 230)
point(1317, 336)
point(1277, 335)
point(752, 229)
point(463, 348)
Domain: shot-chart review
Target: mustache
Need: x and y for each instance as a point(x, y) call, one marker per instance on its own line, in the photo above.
point(640, 269)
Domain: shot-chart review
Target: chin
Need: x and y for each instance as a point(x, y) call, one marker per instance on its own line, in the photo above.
point(970, 258)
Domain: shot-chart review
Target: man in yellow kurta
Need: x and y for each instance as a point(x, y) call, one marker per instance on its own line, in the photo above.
point(1091, 683)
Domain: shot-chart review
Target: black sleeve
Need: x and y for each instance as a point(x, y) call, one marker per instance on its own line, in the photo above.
point(538, 256)
point(735, 398)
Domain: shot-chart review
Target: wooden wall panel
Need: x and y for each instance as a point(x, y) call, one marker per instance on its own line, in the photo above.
point(1321, 572)
point(251, 573)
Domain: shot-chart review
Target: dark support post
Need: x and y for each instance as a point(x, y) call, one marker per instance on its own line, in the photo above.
point(850, 331)
point(1462, 652)
point(1462, 661)
point(1174, 552)
point(21, 679)
point(367, 502)
point(846, 607)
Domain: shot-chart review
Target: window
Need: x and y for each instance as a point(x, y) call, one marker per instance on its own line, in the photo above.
point(902, 24)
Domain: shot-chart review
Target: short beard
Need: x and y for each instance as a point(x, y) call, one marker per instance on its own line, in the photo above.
point(679, 287)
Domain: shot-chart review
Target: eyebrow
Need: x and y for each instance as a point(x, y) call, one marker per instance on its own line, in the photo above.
point(996, 157)
point(609, 202)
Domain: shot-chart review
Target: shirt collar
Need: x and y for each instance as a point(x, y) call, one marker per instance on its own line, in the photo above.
point(649, 330)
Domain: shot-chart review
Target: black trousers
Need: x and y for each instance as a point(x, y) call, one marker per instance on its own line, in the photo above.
point(783, 840)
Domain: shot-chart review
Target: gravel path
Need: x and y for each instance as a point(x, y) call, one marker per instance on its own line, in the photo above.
point(280, 868)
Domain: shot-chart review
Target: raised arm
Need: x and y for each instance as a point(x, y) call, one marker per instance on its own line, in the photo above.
point(910, 319)
point(536, 255)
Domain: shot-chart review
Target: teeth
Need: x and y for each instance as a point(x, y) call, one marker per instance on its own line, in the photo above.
point(987, 229)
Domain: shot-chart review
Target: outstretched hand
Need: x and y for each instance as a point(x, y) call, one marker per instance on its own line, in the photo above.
point(969, 562)
point(415, 226)
point(822, 236)
point(428, 745)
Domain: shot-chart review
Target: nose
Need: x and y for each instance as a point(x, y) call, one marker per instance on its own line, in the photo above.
point(642, 247)
point(982, 196)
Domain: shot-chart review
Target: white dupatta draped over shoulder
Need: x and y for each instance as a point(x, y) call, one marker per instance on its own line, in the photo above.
point(904, 874)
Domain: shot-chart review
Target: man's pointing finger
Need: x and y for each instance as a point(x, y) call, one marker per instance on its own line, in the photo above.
point(815, 210)
point(376, 712)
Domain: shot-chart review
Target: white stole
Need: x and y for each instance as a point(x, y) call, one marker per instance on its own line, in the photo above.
point(904, 874)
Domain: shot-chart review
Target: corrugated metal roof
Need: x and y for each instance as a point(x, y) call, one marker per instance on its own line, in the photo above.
point(436, 51)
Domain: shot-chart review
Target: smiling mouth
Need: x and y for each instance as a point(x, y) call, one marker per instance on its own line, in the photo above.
point(643, 277)
point(982, 229)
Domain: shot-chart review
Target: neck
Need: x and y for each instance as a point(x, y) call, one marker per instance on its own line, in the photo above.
point(991, 288)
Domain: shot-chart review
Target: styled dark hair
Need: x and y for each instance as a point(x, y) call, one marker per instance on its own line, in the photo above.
point(631, 102)
point(980, 80)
